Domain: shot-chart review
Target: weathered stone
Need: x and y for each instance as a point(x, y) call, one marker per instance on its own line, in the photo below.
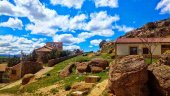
point(95, 69)
point(67, 70)
point(79, 93)
point(83, 67)
point(27, 78)
point(92, 79)
point(159, 77)
point(99, 62)
point(129, 78)
point(82, 86)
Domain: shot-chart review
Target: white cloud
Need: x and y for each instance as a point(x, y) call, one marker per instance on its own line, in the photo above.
point(123, 28)
point(67, 39)
point(106, 3)
point(13, 45)
point(164, 6)
point(77, 4)
point(71, 47)
point(95, 42)
point(13, 23)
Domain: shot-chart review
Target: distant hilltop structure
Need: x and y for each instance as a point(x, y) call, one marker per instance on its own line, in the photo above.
point(46, 49)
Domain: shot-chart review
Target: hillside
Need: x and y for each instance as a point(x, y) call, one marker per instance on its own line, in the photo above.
point(52, 84)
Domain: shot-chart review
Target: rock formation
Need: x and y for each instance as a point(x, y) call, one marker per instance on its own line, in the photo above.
point(128, 78)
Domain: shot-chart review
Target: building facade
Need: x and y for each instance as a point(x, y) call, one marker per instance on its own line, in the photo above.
point(142, 46)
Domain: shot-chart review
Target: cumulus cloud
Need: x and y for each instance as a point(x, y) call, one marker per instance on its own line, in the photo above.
point(13, 23)
point(67, 39)
point(95, 42)
point(77, 4)
point(71, 47)
point(164, 6)
point(13, 45)
point(123, 28)
point(106, 3)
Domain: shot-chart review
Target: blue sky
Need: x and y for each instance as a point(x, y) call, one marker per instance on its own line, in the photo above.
point(28, 24)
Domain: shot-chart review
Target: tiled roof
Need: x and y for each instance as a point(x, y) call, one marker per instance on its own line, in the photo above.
point(141, 40)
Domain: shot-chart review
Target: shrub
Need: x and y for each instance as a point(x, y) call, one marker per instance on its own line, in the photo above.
point(13, 61)
point(67, 87)
point(65, 53)
point(54, 90)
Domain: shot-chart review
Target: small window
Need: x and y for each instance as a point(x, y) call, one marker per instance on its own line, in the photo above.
point(14, 72)
point(145, 51)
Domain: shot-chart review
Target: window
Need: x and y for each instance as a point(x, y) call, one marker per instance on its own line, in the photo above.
point(133, 50)
point(14, 72)
point(145, 51)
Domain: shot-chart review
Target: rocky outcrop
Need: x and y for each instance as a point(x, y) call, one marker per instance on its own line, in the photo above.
point(95, 66)
point(150, 29)
point(159, 77)
point(67, 70)
point(128, 78)
point(99, 62)
point(83, 67)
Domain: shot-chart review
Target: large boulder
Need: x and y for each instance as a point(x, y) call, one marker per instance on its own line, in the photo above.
point(83, 67)
point(82, 86)
point(27, 78)
point(67, 70)
point(159, 77)
point(129, 78)
point(99, 62)
point(95, 69)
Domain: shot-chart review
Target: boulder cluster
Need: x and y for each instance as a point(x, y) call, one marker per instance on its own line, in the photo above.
point(95, 66)
point(130, 76)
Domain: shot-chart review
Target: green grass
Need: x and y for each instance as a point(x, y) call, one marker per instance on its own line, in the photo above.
point(54, 78)
point(147, 60)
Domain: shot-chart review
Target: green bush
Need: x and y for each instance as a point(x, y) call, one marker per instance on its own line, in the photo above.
point(13, 61)
point(67, 87)
point(54, 90)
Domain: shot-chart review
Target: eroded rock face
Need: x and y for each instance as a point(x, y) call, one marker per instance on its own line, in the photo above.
point(67, 70)
point(159, 77)
point(129, 78)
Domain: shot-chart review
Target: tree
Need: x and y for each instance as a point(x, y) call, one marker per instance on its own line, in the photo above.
point(151, 42)
point(13, 61)
point(54, 54)
point(102, 43)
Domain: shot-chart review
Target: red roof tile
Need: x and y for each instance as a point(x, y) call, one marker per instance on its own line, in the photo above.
point(141, 40)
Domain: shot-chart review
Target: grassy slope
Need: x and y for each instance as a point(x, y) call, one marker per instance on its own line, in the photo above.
point(54, 78)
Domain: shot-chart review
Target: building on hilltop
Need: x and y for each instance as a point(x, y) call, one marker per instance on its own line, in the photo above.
point(46, 49)
point(138, 46)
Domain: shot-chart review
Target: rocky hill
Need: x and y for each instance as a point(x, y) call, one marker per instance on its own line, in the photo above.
point(151, 29)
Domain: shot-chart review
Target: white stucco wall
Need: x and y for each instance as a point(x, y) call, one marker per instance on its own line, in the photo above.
point(123, 49)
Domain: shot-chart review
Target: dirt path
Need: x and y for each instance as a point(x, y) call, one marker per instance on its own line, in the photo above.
point(37, 75)
point(99, 88)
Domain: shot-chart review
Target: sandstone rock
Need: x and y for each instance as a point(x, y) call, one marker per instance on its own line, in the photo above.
point(99, 62)
point(82, 86)
point(79, 93)
point(129, 78)
point(27, 78)
point(92, 79)
point(159, 77)
point(83, 67)
point(95, 69)
point(67, 70)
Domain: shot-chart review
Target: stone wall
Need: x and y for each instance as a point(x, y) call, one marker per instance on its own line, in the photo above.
point(53, 62)
point(30, 67)
point(18, 71)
